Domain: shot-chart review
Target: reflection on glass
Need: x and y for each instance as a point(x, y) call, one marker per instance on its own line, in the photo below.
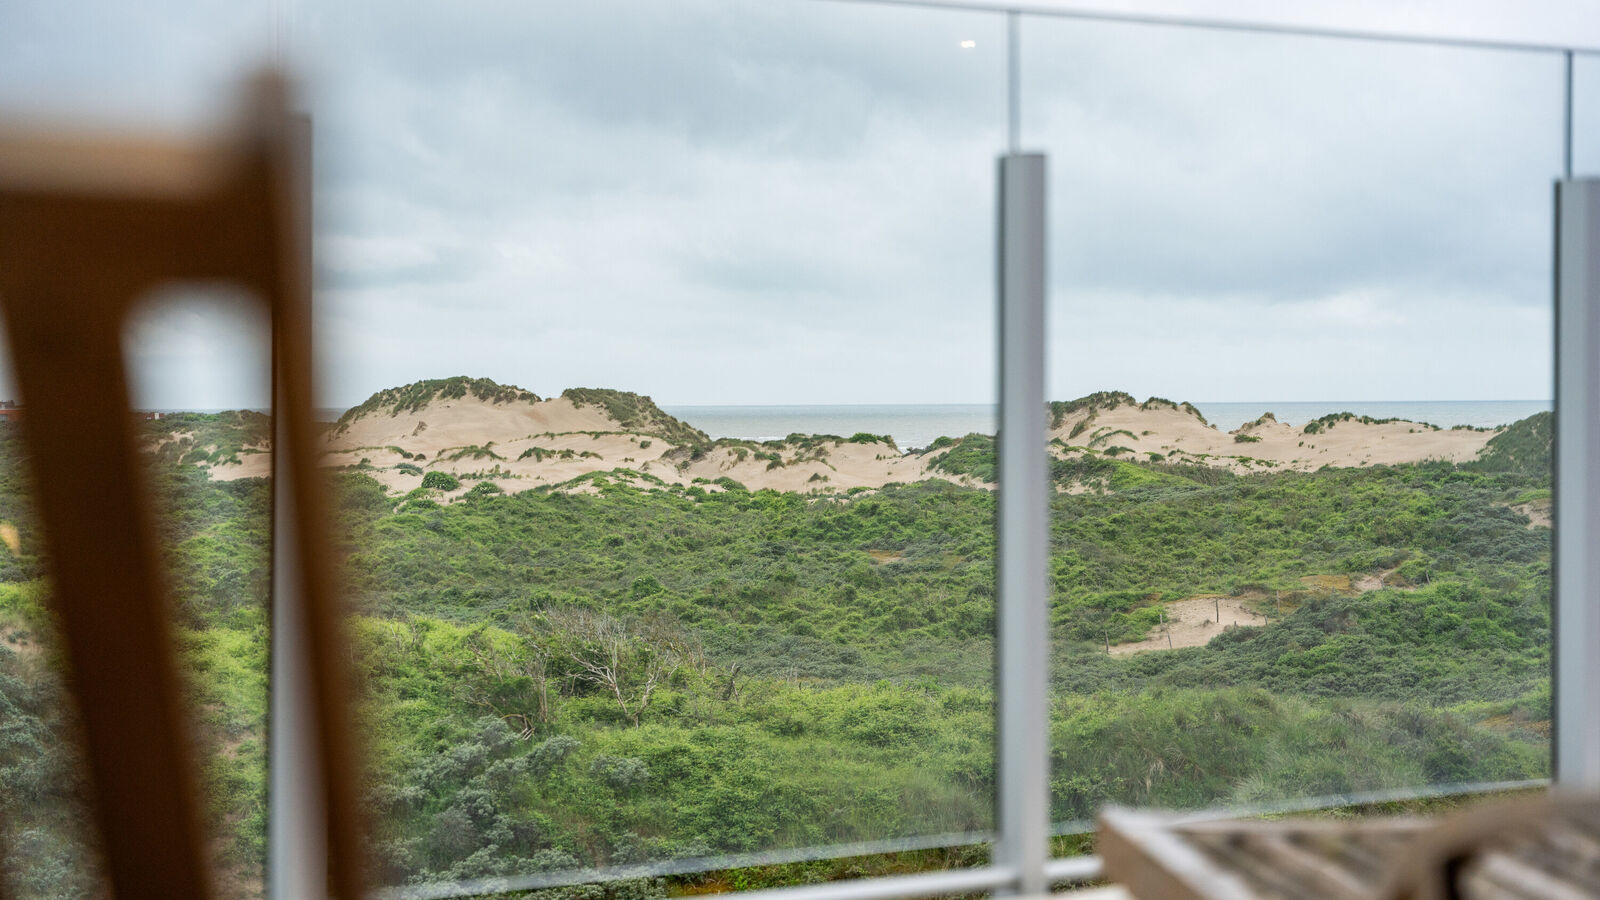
point(652, 338)
point(1329, 573)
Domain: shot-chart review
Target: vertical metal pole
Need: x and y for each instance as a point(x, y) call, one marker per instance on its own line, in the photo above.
point(1023, 651)
point(297, 857)
point(1566, 119)
point(1577, 484)
point(1013, 83)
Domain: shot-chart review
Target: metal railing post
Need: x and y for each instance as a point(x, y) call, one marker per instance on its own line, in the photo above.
point(1023, 647)
point(1576, 617)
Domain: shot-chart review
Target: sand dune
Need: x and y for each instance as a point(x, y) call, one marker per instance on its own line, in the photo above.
point(1157, 430)
point(525, 442)
point(476, 430)
point(467, 421)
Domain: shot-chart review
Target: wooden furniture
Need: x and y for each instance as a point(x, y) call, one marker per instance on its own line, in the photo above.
point(88, 225)
point(1538, 849)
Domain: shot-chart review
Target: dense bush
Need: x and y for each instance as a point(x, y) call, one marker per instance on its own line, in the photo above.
point(972, 455)
point(442, 481)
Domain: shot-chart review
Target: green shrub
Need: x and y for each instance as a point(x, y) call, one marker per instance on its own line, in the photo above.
point(1523, 447)
point(442, 481)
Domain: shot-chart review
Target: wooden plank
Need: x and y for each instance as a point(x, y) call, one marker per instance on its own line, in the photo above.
point(1141, 853)
point(1519, 879)
point(109, 164)
point(1313, 874)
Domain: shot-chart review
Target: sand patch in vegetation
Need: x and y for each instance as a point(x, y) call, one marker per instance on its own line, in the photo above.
point(1193, 622)
point(254, 462)
point(1538, 512)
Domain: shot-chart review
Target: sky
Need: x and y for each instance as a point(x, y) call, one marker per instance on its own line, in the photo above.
point(786, 202)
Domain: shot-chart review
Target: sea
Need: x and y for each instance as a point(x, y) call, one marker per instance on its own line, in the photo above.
point(918, 425)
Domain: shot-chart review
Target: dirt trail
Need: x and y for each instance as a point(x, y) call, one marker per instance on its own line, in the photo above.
point(1192, 622)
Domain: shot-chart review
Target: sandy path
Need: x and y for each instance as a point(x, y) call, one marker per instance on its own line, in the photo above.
point(1191, 622)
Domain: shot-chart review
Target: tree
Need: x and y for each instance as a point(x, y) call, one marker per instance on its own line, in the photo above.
point(514, 680)
point(629, 659)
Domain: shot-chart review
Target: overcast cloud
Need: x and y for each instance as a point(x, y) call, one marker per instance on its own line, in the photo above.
point(791, 202)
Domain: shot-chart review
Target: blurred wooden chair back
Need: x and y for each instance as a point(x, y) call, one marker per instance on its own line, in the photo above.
point(88, 225)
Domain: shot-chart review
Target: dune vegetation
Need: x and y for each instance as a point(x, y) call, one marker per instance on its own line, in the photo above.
point(622, 667)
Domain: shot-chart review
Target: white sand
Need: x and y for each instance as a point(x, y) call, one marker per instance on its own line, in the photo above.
point(1193, 622)
point(1180, 436)
point(250, 465)
point(833, 466)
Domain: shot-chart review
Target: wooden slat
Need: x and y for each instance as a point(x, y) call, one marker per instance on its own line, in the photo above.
point(1143, 856)
point(1519, 850)
point(111, 164)
point(1306, 869)
point(1519, 879)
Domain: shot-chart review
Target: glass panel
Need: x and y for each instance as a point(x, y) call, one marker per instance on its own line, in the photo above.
point(1585, 115)
point(598, 628)
point(1322, 567)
